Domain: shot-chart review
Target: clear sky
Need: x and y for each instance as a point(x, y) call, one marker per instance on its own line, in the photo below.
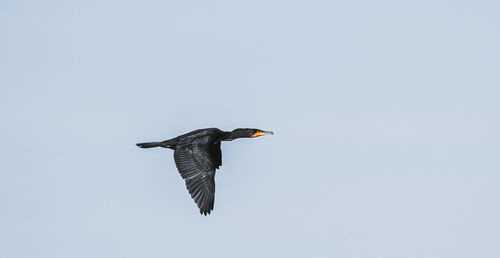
point(385, 113)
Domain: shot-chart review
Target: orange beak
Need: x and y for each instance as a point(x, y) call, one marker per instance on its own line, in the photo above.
point(262, 133)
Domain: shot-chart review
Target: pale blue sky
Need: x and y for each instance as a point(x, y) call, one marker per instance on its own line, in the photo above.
point(386, 121)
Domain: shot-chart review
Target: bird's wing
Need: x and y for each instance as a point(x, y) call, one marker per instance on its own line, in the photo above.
point(196, 163)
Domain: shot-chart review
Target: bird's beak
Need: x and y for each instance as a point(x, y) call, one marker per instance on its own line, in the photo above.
point(262, 133)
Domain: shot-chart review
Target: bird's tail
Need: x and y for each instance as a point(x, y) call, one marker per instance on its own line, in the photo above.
point(165, 144)
point(149, 144)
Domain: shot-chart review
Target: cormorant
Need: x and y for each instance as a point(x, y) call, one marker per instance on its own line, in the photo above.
point(197, 154)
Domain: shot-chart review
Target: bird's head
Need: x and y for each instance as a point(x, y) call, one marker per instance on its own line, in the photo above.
point(249, 133)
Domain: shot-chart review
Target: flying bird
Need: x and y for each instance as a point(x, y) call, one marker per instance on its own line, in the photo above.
point(197, 155)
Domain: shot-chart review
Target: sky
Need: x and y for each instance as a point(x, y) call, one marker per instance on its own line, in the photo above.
point(385, 114)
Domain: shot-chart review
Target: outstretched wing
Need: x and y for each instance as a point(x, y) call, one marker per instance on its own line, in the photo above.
point(196, 162)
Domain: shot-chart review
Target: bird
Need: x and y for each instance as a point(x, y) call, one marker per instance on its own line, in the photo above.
point(197, 155)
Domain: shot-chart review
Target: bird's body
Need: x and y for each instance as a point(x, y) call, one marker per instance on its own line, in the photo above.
point(197, 155)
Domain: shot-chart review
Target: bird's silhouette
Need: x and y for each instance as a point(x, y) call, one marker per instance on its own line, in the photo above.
point(197, 155)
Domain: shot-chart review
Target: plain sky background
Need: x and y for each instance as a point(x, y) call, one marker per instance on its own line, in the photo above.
point(385, 113)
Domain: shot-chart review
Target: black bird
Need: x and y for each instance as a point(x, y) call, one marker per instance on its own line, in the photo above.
point(197, 154)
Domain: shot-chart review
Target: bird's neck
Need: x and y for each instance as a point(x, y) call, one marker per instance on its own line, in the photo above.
point(229, 136)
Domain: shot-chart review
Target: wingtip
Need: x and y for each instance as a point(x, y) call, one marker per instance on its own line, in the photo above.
point(205, 212)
